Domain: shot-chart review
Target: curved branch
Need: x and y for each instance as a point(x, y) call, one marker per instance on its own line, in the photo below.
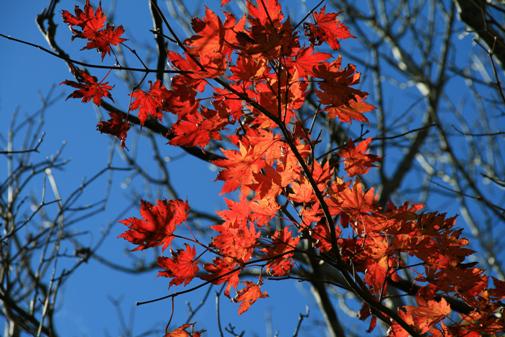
point(476, 15)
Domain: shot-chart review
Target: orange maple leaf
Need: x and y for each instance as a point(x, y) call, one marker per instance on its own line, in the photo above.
point(356, 159)
point(182, 267)
point(249, 295)
point(182, 332)
point(208, 42)
point(422, 317)
point(239, 167)
point(355, 201)
point(425, 316)
point(213, 40)
point(302, 191)
point(263, 210)
point(354, 108)
point(235, 240)
point(376, 273)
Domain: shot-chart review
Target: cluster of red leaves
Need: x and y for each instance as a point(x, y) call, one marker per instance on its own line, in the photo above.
point(90, 24)
point(88, 89)
point(263, 70)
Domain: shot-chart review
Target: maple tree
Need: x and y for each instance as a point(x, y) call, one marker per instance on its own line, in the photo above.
point(257, 70)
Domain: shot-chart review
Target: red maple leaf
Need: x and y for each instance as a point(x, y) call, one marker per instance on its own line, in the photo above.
point(88, 88)
point(468, 282)
point(181, 267)
point(356, 203)
point(213, 40)
point(327, 28)
point(238, 213)
point(150, 104)
point(302, 191)
point(157, 224)
point(271, 40)
point(115, 126)
point(248, 296)
point(196, 76)
point(89, 20)
point(91, 24)
point(306, 59)
point(103, 39)
point(209, 39)
point(356, 159)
